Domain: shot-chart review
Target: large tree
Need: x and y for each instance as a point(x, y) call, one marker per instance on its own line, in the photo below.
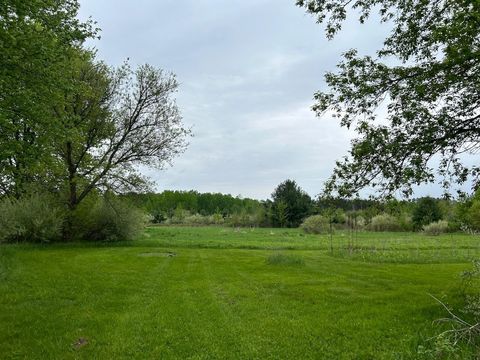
point(428, 75)
point(37, 40)
point(112, 122)
point(291, 204)
point(70, 123)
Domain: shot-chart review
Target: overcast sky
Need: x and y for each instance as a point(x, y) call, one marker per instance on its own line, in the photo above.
point(248, 70)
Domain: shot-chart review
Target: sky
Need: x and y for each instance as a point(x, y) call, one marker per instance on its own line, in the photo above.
point(248, 70)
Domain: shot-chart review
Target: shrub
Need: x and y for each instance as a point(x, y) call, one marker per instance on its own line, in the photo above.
point(179, 217)
point(282, 259)
point(157, 217)
point(405, 222)
point(436, 228)
point(463, 332)
point(353, 220)
point(216, 219)
point(108, 219)
point(241, 220)
point(195, 219)
point(384, 222)
point(315, 224)
point(33, 218)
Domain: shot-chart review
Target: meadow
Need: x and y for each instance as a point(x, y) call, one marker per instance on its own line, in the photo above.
point(218, 293)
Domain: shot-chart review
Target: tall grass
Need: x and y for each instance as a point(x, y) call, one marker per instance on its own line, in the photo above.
point(285, 259)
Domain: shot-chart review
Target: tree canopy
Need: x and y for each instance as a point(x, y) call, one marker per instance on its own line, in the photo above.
point(37, 40)
point(115, 120)
point(427, 74)
point(426, 211)
point(70, 123)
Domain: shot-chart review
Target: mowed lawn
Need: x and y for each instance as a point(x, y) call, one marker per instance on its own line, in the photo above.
point(210, 293)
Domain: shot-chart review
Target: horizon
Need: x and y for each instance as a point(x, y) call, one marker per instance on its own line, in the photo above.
point(314, 198)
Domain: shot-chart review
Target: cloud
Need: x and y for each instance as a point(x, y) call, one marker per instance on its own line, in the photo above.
point(248, 70)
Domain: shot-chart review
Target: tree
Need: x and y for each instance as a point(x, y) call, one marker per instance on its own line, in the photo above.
point(290, 204)
point(113, 121)
point(467, 212)
point(430, 86)
point(69, 123)
point(280, 213)
point(426, 211)
point(37, 40)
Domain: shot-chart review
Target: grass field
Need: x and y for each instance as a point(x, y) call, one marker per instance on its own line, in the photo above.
point(220, 293)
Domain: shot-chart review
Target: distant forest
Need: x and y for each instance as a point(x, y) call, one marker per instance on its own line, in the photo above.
point(290, 206)
point(165, 204)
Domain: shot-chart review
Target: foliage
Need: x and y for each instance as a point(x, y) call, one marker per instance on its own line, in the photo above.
point(32, 218)
point(442, 348)
point(426, 211)
point(185, 218)
point(166, 203)
point(427, 75)
point(70, 123)
point(197, 219)
point(38, 39)
point(471, 293)
point(384, 222)
point(473, 213)
point(107, 219)
point(157, 217)
point(315, 224)
point(280, 213)
point(290, 204)
point(464, 327)
point(117, 120)
point(242, 219)
point(178, 216)
point(346, 204)
point(436, 228)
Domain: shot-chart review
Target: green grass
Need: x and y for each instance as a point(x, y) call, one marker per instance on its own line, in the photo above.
point(216, 293)
point(285, 259)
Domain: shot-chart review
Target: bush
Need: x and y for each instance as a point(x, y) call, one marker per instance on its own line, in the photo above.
point(216, 219)
point(405, 222)
point(436, 228)
point(354, 221)
point(384, 222)
point(108, 219)
point(315, 224)
point(463, 332)
point(33, 218)
point(241, 220)
point(179, 217)
point(157, 217)
point(195, 219)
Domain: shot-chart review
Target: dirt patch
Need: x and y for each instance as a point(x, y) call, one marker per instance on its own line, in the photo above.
point(79, 343)
point(158, 254)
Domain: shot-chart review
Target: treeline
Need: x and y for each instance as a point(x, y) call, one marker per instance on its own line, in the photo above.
point(290, 206)
point(168, 204)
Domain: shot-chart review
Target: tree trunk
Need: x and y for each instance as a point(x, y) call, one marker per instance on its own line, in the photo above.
point(72, 193)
